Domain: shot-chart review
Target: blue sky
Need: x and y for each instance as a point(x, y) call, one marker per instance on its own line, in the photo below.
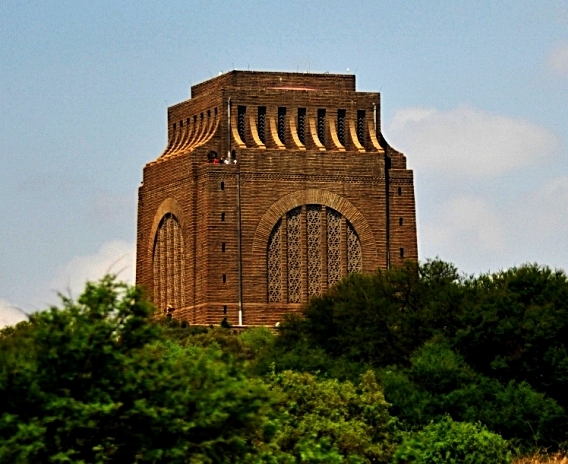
point(474, 93)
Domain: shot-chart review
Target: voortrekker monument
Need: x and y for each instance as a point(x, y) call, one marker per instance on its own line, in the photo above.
point(271, 188)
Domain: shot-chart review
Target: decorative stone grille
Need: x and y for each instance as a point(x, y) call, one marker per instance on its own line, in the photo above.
point(169, 264)
point(341, 126)
point(361, 126)
point(313, 226)
point(282, 124)
point(262, 123)
point(294, 255)
point(274, 269)
point(353, 250)
point(302, 124)
point(333, 246)
point(313, 236)
point(241, 113)
point(321, 126)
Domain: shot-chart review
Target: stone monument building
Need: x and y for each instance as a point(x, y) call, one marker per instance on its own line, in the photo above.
point(271, 188)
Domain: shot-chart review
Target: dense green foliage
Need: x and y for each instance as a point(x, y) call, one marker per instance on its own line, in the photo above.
point(353, 419)
point(414, 364)
point(439, 382)
point(449, 442)
point(515, 327)
point(491, 348)
point(89, 383)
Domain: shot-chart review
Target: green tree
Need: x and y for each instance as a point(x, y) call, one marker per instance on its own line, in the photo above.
point(258, 340)
point(92, 382)
point(342, 420)
point(449, 442)
point(514, 326)
point(499, 354)
point(439, 382)
point(381, 318)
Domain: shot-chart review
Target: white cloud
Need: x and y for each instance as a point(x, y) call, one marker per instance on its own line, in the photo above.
point(468, 141)
point(540, 223)
point(463, 225)
point(10, 314)
point(115, 256)
point(557, 59)
point(550, 205)
point(490, 233)
point(484, 210)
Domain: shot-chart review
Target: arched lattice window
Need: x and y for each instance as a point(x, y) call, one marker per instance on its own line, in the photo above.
point(169, 264)
point(309, 249)
point(353, 250)
point(333, 246)
point(274, 267)
point(293, 232)
point(313, 241)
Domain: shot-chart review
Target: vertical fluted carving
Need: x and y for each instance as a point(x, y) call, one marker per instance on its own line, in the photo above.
point(169, 264)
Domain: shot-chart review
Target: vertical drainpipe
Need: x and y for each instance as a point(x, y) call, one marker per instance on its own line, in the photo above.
point(229, 130)
point(375, 117)
point(387, 209)
point(239, 250)
point(239, 228)
point(387, 192)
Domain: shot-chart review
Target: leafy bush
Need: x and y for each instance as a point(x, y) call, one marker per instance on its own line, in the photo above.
point(449, 442)
point(439, 382)
point(257, 339)
point(514, 326)
point(94, 382)
point(349, 421)
point(100, 380)
point(381, 318)
point(502, 357)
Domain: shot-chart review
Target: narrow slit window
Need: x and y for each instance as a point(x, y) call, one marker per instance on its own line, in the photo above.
point(261, 123)
point(215, 111)
point(400, 221)
point(225, 277)
point(402, 252)
point(341, 126)
point(302, 125)
point(181, 124)
point(174, 126)
point(321, 126)
point(361, 126)
point(222, 217)
point(223, 247)
point(281, 123)
point(208, 113)
point(222, 185)
point(241, 114)
point(224, 309)
point(400, 190)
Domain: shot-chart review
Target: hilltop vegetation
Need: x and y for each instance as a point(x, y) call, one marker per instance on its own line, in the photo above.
point(415, 364)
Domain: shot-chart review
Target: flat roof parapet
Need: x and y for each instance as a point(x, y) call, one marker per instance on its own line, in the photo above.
point(277, 80)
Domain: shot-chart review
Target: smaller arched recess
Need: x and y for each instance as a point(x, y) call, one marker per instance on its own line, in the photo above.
point(167, 255)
